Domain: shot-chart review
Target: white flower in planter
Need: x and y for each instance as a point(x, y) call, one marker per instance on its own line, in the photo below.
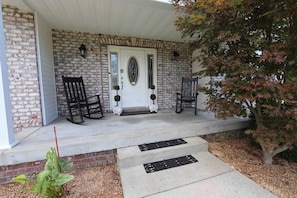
point(153, 108)
point(117, 110)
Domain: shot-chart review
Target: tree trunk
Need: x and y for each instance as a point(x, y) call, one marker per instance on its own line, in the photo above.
point(267, 156)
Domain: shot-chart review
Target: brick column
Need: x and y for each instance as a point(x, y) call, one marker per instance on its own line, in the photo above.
point(7, 140)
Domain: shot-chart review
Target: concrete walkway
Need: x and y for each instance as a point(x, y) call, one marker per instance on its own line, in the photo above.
point(209, 177)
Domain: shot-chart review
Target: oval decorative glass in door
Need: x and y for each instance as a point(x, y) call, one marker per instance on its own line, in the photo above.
point(132, 70)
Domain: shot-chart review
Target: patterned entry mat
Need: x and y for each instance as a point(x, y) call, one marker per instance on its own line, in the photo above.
point(161, 144)
point(169, 163)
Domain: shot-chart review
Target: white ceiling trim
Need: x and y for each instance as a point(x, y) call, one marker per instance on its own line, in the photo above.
point(152, 19)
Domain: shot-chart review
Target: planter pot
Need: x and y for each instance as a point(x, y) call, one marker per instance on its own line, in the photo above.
point(153, 108)
point(117, 110)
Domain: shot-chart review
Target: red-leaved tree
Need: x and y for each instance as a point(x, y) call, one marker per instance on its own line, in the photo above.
point(253, 45)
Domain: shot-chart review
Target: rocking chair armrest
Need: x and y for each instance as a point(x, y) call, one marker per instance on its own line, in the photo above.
point(97, 95)
point(179, 96)
point(95, 100)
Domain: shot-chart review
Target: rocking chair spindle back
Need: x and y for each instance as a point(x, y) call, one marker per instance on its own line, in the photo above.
point(79, 105)
point(188, 94)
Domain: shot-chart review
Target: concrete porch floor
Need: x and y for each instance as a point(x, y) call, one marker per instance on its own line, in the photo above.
point(112, 132)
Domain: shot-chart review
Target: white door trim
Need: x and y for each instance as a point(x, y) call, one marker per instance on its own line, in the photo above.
point(147, 51)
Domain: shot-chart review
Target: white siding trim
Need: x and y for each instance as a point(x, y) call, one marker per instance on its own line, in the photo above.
point(147, 51)
point(7, 139)
point(44, 47)
point(196, 67)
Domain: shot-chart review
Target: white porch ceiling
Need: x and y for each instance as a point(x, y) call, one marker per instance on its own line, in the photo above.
point(153, 19)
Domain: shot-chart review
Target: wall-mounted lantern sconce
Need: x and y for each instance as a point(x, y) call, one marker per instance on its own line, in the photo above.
point(175, 54)
point(82, 50)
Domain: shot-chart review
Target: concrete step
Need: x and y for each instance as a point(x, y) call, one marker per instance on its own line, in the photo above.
point(133, 156)
point(137, 183)
point(209, 177)
point(206, 177)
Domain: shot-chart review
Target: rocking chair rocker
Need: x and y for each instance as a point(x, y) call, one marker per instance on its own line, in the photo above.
point(79, 105)
point(188, 94)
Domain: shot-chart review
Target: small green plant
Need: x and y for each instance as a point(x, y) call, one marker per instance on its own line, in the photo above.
point(50, 181)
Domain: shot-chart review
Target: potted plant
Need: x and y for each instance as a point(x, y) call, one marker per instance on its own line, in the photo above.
point(153, 107)
point(117, 110)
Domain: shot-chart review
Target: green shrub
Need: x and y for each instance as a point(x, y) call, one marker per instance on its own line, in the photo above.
point(117, 98)
point(116, 87)
point(50, 181)
point(153, 96)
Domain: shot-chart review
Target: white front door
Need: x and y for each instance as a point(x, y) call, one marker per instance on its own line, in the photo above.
point(133, 78)
point(134, 70)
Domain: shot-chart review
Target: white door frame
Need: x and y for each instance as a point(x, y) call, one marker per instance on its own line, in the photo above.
point(117, 50)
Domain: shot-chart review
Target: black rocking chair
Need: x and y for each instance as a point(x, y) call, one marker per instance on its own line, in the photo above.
point(79, 105)
point(188, 94)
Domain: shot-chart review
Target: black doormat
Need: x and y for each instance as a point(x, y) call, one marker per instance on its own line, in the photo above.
point(127, 113)
point(161, 144)
point(170, 163)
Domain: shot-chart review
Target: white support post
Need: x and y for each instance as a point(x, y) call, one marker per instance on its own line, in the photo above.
point(7, 139)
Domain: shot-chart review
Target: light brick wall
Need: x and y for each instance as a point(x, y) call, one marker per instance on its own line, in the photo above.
point(68, 62)
point(20, 38)
point(94, 68)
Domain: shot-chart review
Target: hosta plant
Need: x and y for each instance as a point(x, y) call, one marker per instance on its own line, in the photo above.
point(50, 181)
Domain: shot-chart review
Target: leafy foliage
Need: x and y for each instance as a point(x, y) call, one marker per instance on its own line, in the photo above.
point(51, 180)
point(153, 97)
point(252, 44)
point(117, 98)
point(116, 87)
